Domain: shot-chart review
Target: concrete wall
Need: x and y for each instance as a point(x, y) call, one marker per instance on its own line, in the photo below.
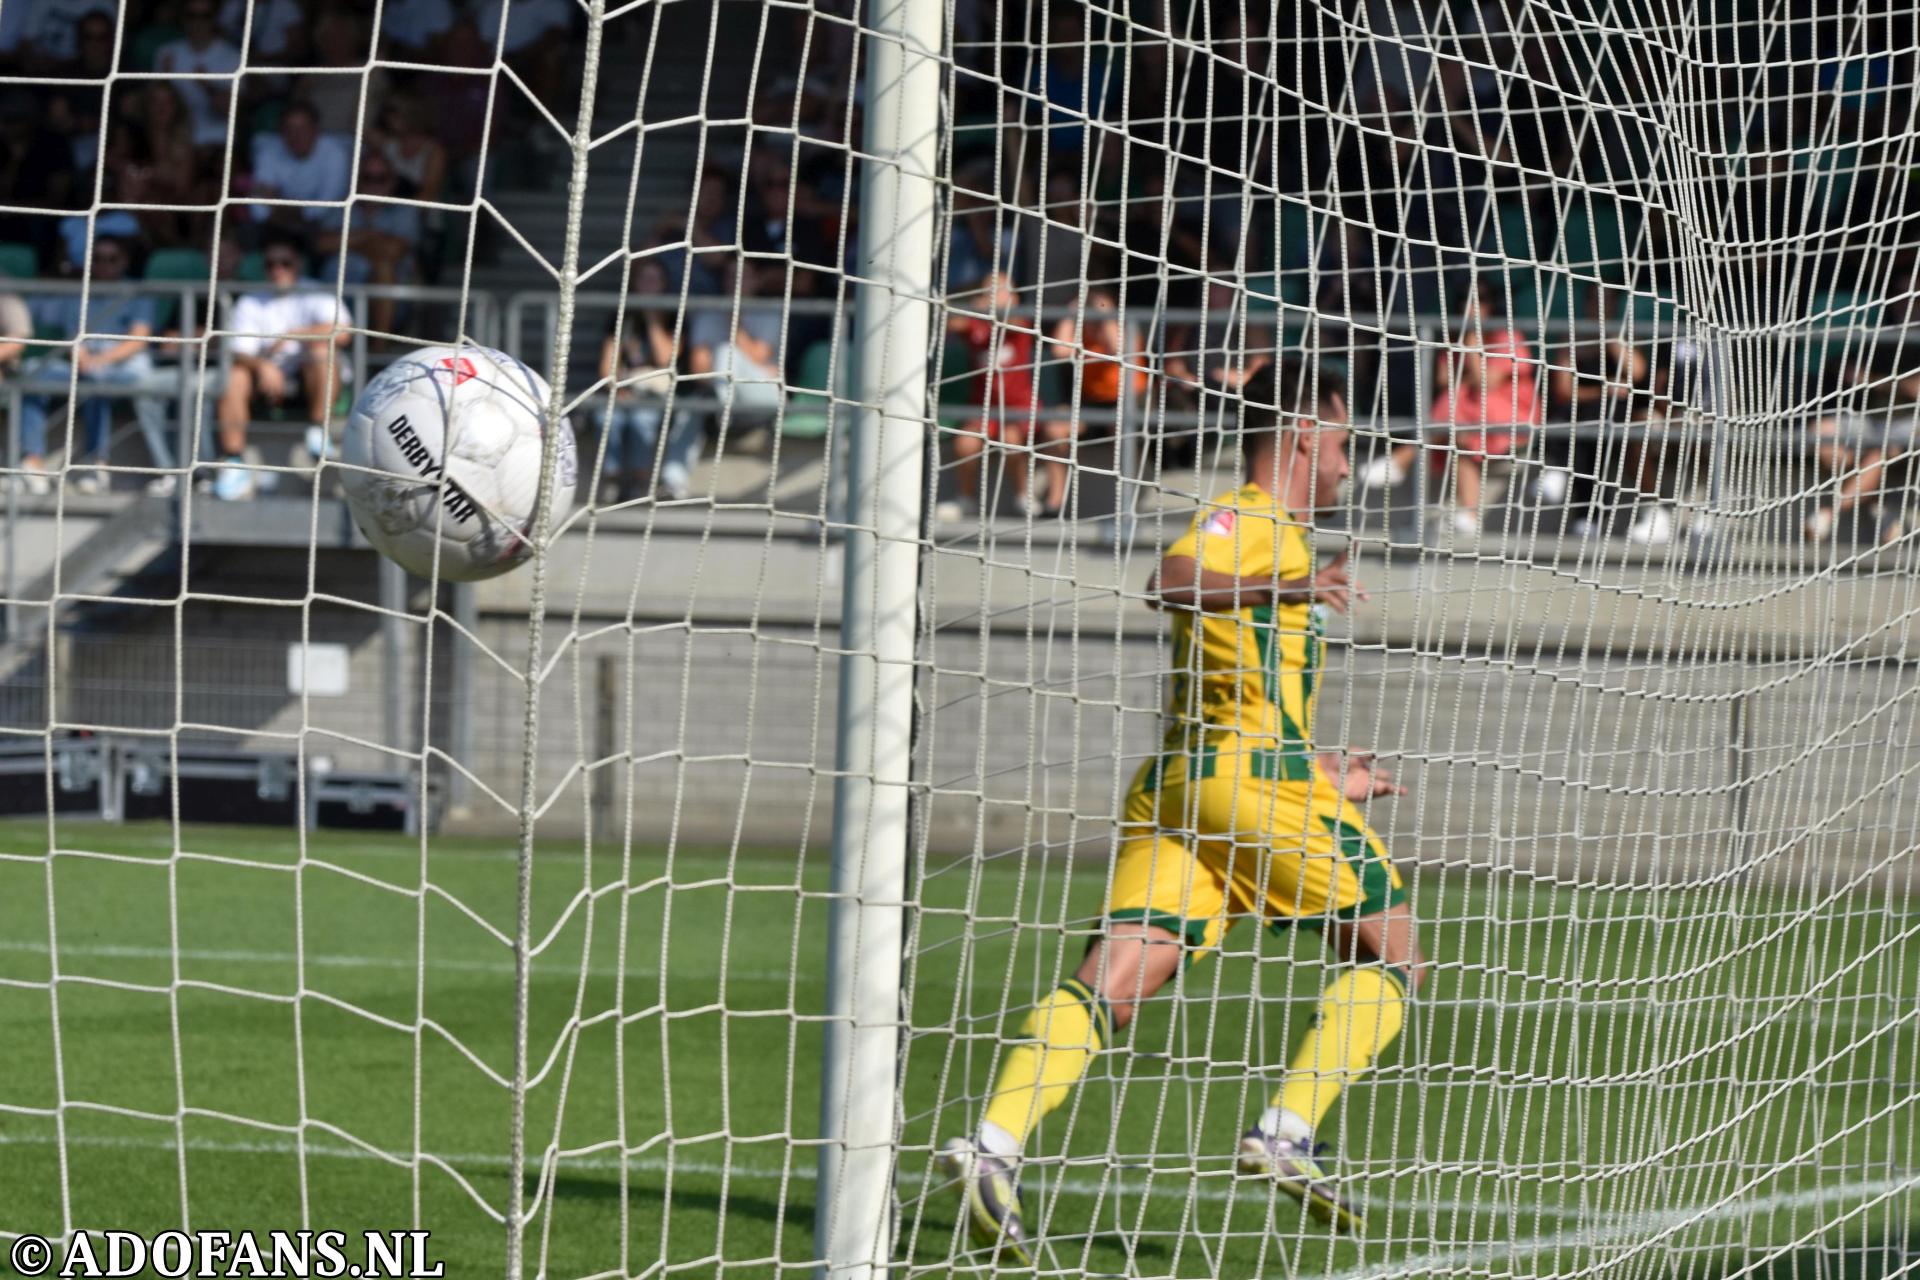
point(1618, 721)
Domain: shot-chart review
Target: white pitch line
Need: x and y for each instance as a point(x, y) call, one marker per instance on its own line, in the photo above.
point(1620, 1229)
point(1071, 1185)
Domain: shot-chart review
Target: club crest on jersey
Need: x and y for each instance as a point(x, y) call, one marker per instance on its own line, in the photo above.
point(460, 367)
point(1218, 522)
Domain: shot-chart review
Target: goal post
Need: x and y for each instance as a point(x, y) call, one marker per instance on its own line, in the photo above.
point(885, 456)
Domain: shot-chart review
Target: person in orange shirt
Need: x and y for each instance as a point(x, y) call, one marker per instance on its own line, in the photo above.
point(1099, 350)
point(1487, 398)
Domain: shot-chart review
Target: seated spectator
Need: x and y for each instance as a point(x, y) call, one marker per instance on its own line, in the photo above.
point(16, 330)
point(203, 50)
point(1601, 387)
point(36, 172)
point(116, 356)
point(40, 37)
point(743, 358)
point(1094, 347)
point(1858, 442)
point(152, 162)
point(73, 110)
point(340, 45)
point(415, 30)
point(537, 43)
point(285, 343)
point(379, 243)
point(1000, 377)
point(1487, 386)
point(299, 163)
point(279, 31)
point(638, 355)
point(1208, 362)
point(410, 147)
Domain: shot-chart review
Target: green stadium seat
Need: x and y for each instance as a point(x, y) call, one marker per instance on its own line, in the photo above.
point(19, 261)
point(809, 413)
point(187, 266)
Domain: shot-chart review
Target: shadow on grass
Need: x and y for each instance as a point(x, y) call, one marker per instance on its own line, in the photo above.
point(799, 1214)
point(685, 1197)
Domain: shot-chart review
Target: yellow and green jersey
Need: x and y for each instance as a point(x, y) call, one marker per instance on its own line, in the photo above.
point(1250, 672)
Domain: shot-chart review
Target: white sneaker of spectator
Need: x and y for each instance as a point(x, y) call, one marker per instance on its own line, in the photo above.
point(1552, 486)
point(88, 480)
point(1653, 529)
point(954, 510)
point(316, 442)
point(1820, 524)
point(163, 486)
point(1466, 523)
point(1381, 473)
point(233, 482)
point(33, 480)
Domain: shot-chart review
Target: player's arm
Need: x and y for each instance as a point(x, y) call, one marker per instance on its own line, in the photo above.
point(1182, 582)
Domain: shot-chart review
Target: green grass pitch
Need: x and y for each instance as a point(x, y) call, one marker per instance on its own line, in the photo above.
point(253, 1033)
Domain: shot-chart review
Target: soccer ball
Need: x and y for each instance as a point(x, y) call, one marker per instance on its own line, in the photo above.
point(478, 415)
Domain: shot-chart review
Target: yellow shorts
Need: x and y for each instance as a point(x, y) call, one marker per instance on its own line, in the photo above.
point(1230, 831)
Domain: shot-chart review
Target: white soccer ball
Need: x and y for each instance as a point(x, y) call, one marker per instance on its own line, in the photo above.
point(479, 415)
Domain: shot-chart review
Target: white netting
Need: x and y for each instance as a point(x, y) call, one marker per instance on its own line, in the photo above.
point(1620, 298)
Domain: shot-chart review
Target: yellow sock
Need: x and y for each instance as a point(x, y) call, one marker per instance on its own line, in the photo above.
point(1059, 1037)
point(1360, 1014)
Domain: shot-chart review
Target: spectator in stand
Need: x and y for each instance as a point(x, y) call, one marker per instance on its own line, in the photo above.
point(463, 101)
point(1227, 349)
point(410, 147)
point(40, 37)
point(988, 237)
point(1487, 399)
point(1097, 352)
point(36, 172)
point(638, 355)
point(152, 162)
point(16, 330)
point(537, 42)
point(1073, 80)
point(116, 355)
point(1859, 441)
point(1599, 384)
point(419, 164)
point(340, 42)
point(286, 343)
point(1000, 352)
point(415, 30)
point(380, 239)
point(743, 358)
point(300, 163)
point(203, 51)
point(73, 110)
point(279, 31)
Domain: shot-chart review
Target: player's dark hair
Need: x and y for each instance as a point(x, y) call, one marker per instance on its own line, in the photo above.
point(1289, 388)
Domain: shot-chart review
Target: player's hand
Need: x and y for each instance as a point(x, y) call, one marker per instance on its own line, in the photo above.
point(1333, 588)
point(1358, 777)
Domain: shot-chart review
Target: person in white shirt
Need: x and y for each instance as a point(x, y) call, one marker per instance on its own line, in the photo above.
point(301, 163)
point(536, 41)
point(285, 342)
point(40, 34)
point(204, 50)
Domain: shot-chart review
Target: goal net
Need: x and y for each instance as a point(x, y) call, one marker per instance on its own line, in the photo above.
point(737, 847)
